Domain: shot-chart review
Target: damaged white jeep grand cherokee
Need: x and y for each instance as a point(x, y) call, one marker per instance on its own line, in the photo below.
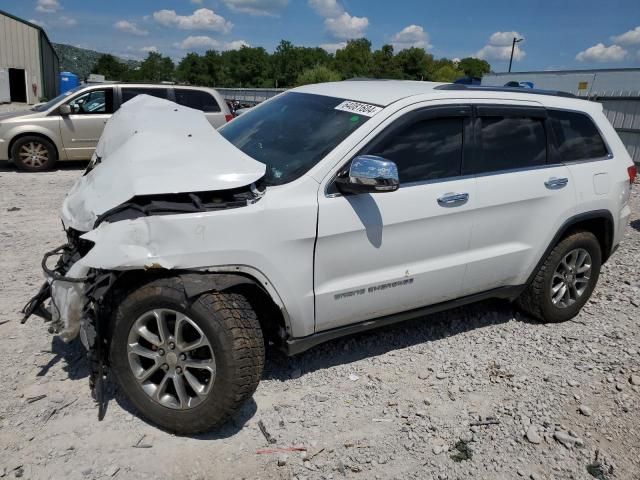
point(327, 210)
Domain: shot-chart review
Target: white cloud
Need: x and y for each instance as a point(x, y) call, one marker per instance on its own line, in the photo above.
point(201, 42)
point(64, 21)
point(149, 49)
point(601, 53)
point(632, 37)
point(411, 36)
point(499, 47)
point(345, 26)
point(327, 8)
point(129, 27)
point(339, 23)
point(48, 6)
point(333, 47)
point(201, 19)
point(196, 2)
point(256, 7)
point(503, 39)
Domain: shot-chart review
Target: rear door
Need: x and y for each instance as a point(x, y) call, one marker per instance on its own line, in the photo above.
point(383, 253)
point(524, 194)
point(203, 101)
point(81, 130)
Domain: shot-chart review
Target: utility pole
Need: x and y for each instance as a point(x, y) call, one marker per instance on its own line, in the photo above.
point(513, 47)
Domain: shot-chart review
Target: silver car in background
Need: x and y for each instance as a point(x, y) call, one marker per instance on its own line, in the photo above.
point(69, 126)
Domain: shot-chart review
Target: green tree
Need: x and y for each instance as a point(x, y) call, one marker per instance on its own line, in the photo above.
point(355, 59)
point(288, 61)
point(474, 67)
point(414, 63)
point(318, 74)
point(111, 68)
point(446, 73)
point(384, 64)
point(155, 68)
point(192, 69)
point(248, 67)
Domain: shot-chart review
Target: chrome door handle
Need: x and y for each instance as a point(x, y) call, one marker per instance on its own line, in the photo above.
point(556, 183)
point(453, 199)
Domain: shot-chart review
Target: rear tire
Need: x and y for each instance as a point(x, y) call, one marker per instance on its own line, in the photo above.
point(233, 340)
point(559, 290)
point(34, 154)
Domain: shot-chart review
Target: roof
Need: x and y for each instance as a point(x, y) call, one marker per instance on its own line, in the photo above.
point(32, 25)
point(386, 92)
point(378, 92)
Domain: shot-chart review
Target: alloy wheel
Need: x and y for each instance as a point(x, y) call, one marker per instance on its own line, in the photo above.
point(571, 278)
point(34, 154)
point(171, 358)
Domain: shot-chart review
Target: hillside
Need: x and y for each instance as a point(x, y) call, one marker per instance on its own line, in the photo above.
point(80, 60)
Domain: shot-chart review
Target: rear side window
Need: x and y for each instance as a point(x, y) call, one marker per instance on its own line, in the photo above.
point(129, 92)
point(426, 150)
point(508, 142)
point(197, 99)
point(576, 135)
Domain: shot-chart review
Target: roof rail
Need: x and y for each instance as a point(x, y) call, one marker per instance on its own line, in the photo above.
point(484, 88)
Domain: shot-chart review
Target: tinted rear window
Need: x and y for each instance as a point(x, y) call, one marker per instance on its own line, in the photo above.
point(129, 92)
point(197, 99)
point(508, 143)
point(576, 135)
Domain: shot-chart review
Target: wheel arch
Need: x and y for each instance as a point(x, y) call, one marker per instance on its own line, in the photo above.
point(598, 222)
point(43, 135)
point(264, 299)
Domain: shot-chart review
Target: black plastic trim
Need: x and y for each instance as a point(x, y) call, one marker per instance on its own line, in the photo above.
point(482, 88)
point(293, 346)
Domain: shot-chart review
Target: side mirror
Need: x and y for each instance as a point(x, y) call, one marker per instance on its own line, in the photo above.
point(65, 109)
point(369, 174)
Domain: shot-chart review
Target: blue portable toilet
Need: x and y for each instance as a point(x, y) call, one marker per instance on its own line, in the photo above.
point(68, 81)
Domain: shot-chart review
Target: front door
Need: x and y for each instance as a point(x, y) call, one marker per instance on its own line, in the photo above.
point(81, 129)
point(382, 253)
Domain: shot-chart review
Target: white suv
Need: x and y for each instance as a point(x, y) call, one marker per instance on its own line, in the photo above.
point(325, 211)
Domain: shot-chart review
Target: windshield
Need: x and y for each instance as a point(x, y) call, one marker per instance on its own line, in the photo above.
point(51, 103)
point(291, 133)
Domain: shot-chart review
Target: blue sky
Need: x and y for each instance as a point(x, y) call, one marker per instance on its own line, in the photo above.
point(558, 34)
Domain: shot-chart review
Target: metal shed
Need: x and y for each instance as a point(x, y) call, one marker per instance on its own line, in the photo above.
point(28, 63)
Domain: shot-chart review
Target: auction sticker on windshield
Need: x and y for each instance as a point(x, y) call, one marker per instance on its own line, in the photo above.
point(360, 108)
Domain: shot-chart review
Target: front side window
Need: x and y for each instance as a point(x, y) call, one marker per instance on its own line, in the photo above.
point(426, 150)
point(196, 99)
point(93, 103)
point(508, 142)
point(129, 92)
point(292, 133)
point(576, 136)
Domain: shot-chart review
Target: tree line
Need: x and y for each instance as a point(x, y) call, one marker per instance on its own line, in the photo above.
point(290, 65)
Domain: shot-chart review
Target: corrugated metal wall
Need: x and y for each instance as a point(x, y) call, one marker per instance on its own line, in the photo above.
point(249, 95)
point(50, 69)
point(624, 115)
point(19, 48)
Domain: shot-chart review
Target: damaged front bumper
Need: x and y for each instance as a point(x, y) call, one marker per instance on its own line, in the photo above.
point(69, 294)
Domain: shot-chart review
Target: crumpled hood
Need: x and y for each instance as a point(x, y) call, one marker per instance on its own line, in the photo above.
point(154, 146)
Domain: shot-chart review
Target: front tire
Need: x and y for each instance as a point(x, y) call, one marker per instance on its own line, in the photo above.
point(34, 154)
point(186, 365)
point(566, 279)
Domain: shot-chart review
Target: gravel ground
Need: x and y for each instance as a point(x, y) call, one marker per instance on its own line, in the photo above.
point(477, 392)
